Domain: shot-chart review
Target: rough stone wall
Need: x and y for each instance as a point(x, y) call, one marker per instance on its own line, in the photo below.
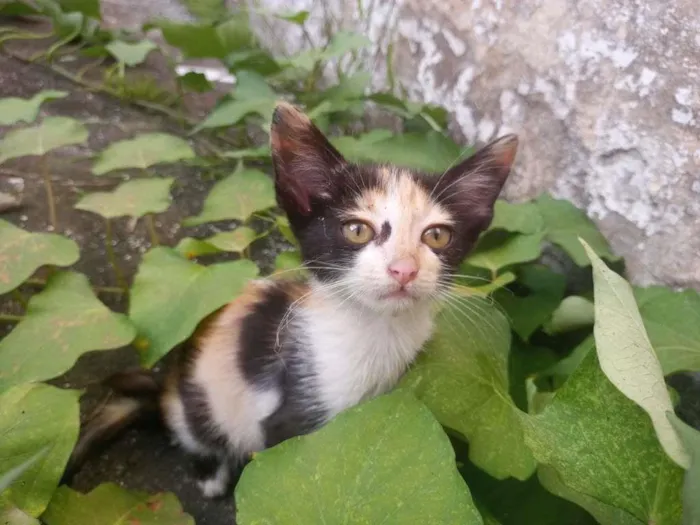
point(605, 96)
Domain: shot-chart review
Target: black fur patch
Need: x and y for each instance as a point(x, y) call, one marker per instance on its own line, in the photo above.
point(384, 234)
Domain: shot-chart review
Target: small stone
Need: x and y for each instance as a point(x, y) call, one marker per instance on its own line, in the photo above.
point(9, 202)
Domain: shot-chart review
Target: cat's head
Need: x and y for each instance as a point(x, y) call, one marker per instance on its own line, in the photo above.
point(384, 236)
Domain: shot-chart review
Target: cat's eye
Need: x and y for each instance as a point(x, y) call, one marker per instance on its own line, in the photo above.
point(437, 237)
point(358, 232)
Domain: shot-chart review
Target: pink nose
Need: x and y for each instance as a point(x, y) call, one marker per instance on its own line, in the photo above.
point(403, 271)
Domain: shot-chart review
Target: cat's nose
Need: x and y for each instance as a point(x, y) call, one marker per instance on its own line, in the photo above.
point(403, 271)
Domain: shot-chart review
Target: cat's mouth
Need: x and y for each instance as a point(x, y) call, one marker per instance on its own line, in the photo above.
point(398, 294)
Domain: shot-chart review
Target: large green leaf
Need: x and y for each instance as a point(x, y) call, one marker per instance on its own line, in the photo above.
point(603, 446)
point(110, 504)
point(691, 486)
point(237, 196)
point(518, 218)
point(143, 151)
point(86, 7)
point(32, 418)
point(134, 198)
point(130, 53)
point(62, 322)
point(626, 355)
point(341, 42)
point(51, 133)
point(207, 10)
point(207, 40)
point(14, 109)
point(21, 253)
point(573, 313)
point(565, 223)
point(252, 95)
point(527, 313)
point(385, 461)
point(11, 515)
point(233, 241)
point(463, 378)
point(672, 321)
point(496, 250)
point(186, 292)
point(12, 475)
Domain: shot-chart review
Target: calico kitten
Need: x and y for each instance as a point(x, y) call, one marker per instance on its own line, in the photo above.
point(380, 244)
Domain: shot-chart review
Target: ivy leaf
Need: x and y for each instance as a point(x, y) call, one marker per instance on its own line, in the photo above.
point(234, 241)
point(52, 133)
point(590, 433)
point(565, 223)
point(626, 355)
point(63, 322)
point(289, 263)
point(285, 229)
point(21, 253)
point(110, 504)
point(134, 198)
point(463, 378)
point(207, 10)
point(341, 42)
point(573, 313)
point(691, 486)
point(237, 196)
point(130, 53)
point(14, 109)
point(369, 465)
point(672, 321)
point(262, 152)
point(206, 40)
point(32, 418)
point(143, 151)
point(253, 95)
point(496, 250)
point(191, 248)
point(516, 218)
point(186, 292)
point(86, 7)
point(527, 313)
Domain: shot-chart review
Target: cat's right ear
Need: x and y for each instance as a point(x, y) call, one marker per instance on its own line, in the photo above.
point(303, 158)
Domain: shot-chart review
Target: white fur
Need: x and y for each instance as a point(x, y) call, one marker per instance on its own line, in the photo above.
point(216, 485)
point(177, 423)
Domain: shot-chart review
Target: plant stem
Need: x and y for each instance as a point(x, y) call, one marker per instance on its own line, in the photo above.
point(112, 258)
point(151, 225)
point(9, 318)
point(49, 192)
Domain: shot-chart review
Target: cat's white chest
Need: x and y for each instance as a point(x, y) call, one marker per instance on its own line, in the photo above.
point(358, 353)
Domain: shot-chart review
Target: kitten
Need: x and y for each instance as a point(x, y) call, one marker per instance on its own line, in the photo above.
point(380, 244)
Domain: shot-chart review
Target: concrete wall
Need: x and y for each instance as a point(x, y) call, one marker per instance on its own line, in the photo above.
point(605, 96)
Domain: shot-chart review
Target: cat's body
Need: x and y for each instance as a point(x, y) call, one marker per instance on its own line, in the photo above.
point(381, 245)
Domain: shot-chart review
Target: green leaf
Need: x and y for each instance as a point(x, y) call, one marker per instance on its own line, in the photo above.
point(573, 313)
point(603, 446)
point(691, 486)
point(187, 292)
point(285, 229)
point(516, 218)
point(252, 95)
point(561, 371)
point(297, 17)
point(432, 152)
point(206, 40)
point(195, 82)
point(11, 515)
point(34, 417)
point(21, 253)
point(369, 465)
point(86, 7)
point(463, 378)
point(262, 152)
point(496, 250)
point(110, 504)
point(527, 313)
point(134, 198)
point(564, 224)
point(341, 42)
point(289, 263)
point(626, 355)
point(525, 362)
point(12, 475)
point(52, 133)
point(672, 321)
point(14, 109)
point(232, 241)
point(192, 248)
point(143, 151)
point(130, 53)
point(237, 196)
point(207, 10)
point(62, 322)
point(603, 513)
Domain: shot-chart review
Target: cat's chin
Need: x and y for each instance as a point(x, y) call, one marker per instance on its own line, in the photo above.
point(393, 301)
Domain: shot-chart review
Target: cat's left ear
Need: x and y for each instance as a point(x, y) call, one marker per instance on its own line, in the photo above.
point(303, 158)
point(474, 184)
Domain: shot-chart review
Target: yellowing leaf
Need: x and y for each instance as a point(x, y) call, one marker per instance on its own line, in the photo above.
point(134, 198)
point(21, 253)
point(143, 151)
point(186, 293)
point(52, 133)
point(237, 196)
point(62, 322)
point(626, 355)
